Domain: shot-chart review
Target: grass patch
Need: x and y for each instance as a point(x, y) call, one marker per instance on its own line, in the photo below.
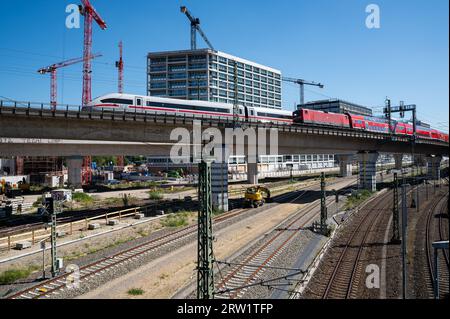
point(74, 255)
point(36, 188)
point(217, 212)
point(114, 244)
point(155, 195)
point(176, 220)
point(113, 201)
point(135, 292)
point(130, 185)
point(357, 198)
point(82, 198)
point(38, 202)
point(143, 233)
point(12, 275)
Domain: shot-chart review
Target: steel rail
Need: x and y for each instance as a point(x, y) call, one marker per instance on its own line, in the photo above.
point(301, 213)
point(59, 282)
point(429, 240)
point(345, 251)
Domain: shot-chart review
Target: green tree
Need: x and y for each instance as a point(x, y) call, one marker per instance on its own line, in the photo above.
point(104, 160)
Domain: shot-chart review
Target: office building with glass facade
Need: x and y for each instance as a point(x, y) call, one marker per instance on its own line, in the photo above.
point(209, 75)
point(337, 106)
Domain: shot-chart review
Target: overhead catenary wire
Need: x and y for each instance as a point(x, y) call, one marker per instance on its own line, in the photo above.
point(256, 266)
point(262, 282)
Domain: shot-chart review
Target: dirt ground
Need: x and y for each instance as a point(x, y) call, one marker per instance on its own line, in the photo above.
point(163, 277)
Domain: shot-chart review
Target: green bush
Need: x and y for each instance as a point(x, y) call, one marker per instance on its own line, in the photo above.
point(217, 211)
point(135, 291)
point(357, 198)
point(82, 198)
point(12, 275)
point(155, 195)
point(175, 220)
point(38, 202)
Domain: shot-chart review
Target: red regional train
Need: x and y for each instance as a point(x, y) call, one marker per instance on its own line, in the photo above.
point(366, 123)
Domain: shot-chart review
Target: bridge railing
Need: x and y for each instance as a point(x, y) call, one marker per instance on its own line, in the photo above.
point(39, 106)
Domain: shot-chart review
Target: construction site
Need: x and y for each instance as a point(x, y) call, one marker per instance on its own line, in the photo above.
point(130, 195)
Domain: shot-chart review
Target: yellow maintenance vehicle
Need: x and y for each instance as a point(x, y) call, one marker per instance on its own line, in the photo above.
point(256, 196)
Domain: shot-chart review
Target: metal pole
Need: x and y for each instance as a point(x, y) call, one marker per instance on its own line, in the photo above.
point(205, 274)
point(395, 214)
point(404, 226)
point(53, 245)
point(417, 196)
point(193, 37)
point(323, 205)
point(43, 259)
point(292, 178)
point(436, 275)
point(302, 93)
point(336, 200)
point(388, 107)
point(236, 96)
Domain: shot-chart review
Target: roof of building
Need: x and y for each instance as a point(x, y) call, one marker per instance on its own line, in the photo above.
point(220, 53)
point(339, 102)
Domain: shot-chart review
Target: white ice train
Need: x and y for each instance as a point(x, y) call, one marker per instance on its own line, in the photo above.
point(188, 108)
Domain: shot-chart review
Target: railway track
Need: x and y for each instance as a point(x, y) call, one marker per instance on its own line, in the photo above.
point(34, 222)
point(27, 223)
point(56, 285)
point(345, 274)
point(437, 230)
point(59, 283)
point(343, 267)
point(248, 272)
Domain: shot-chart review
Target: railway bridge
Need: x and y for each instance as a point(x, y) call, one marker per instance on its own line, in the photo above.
point(28, 129)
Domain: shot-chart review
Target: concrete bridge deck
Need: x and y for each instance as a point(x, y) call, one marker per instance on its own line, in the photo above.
point(33, 131)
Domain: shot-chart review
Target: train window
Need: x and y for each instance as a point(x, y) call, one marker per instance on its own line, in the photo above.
point(280, 116)
point(117, 101)
point(187, 107)
point(139, 102)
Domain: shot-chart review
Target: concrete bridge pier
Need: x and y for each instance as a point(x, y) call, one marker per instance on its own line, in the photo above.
point(433, 167)
point(252, 173)
point(367, 170)
point(420, 160)
point(345, 165)
point(74, 167)
point(398, 158)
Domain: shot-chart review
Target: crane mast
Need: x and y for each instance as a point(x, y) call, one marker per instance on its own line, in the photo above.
point(90, 15)
point(119, 66)
point(302, 84)
point(195, 27)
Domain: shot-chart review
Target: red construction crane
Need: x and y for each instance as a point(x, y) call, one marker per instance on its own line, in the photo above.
point(121, 161)
point(86, 170)
point(90, 14)
point(119, 66)
point(52, 70)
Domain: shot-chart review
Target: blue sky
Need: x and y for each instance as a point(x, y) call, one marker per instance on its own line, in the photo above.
point(322, 40)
